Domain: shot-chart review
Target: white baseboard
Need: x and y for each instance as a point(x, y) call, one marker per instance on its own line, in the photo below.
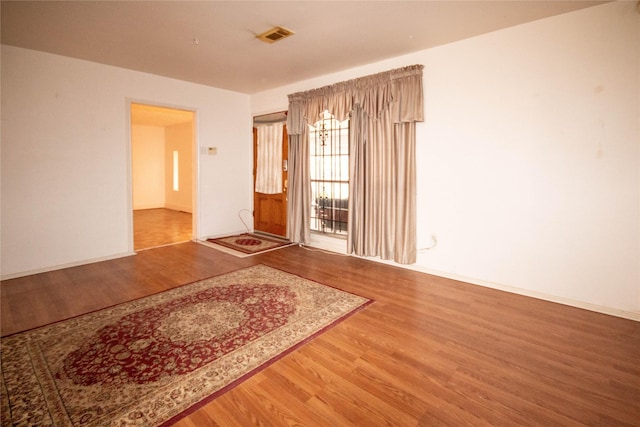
point(172, 207)
point(179, 208)
point(631, 315)
point(331, 244)
point(68, 265)
point(145, 207)
point(338, 247)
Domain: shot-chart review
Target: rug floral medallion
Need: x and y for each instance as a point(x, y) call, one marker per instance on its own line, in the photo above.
point(148, 361)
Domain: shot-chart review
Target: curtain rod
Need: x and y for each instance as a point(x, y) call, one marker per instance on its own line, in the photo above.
point(361, 81)
point(265, 119)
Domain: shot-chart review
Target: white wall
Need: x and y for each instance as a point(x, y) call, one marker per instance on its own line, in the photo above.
point(66, 160)
point(529, 157)
point(148, 171)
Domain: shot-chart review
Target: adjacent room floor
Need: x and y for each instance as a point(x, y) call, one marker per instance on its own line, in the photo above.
point(159, 227)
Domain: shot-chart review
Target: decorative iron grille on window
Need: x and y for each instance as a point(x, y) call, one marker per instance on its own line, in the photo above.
point(329, 148)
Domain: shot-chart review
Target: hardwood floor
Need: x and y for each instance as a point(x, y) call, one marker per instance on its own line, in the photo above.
point(158, 227)
point(429, 351)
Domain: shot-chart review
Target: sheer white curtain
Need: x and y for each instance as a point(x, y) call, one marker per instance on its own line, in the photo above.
point(383, 109)
point(269, 159)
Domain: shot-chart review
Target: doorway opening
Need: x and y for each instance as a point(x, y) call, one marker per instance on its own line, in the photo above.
point(163, 186)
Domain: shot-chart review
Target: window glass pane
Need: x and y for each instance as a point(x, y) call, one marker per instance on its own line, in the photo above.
point(176, 171)
point(329, 167)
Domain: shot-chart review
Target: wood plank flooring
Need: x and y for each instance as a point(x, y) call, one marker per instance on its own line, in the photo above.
point(158, 227)
point(429, 351)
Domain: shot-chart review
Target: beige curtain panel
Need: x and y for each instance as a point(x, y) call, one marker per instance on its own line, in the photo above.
point(383, 109)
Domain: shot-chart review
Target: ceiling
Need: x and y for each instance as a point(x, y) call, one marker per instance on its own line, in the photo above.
point(213, 42)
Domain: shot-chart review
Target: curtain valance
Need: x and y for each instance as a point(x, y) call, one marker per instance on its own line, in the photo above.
point(383, 110)
point(399, 90)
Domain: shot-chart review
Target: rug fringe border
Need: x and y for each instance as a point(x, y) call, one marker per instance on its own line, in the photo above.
point(239, 254)
point(368, 301)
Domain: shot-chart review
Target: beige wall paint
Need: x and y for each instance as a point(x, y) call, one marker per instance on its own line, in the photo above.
point(152, 166)
point(148, 166)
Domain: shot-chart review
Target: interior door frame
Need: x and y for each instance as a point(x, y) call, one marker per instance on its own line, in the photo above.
point(195, 166)
point(275, 117)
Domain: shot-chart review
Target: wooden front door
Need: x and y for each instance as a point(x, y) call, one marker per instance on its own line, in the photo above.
point(270, 210)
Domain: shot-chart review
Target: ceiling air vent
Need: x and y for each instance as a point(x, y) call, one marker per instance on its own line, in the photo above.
point(275, 34)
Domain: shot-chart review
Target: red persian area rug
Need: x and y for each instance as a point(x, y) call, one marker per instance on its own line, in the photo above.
point(247, 244)
point(151, 361)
